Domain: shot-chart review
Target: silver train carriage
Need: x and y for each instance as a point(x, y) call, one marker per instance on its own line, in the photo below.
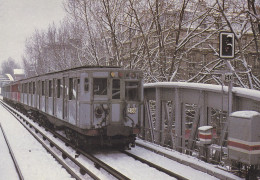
point(93, 105)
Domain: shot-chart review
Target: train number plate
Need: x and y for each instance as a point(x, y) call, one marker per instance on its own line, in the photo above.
point(131, 110)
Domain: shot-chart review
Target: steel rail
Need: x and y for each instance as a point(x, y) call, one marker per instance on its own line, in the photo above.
point(95, 160)
point(19, 172)
point(54, 144)
point(166, 171)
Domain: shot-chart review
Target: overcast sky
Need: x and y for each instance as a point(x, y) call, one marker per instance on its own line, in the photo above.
point(19, 19)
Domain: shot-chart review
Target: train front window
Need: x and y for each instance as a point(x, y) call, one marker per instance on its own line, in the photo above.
point(131, 91)
point(116, 89)
point(100, 86)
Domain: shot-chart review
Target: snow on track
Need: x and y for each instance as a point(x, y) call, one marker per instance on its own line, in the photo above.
point(171, 165)
point(7, 168)
point(33, 159)
point(130, 167)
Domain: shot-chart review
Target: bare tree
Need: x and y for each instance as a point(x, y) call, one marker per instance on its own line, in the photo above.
point(8, 66)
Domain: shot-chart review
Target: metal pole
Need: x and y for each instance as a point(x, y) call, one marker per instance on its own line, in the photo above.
point(230, 103)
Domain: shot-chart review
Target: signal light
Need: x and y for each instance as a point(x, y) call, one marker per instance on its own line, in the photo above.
point(120, 74)
point(227, 45)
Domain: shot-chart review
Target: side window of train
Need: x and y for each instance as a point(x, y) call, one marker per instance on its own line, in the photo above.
point(116, 89)
point(72, 89)
point(58, 88)
point(43, 88)
point(39, 88)
point(86, 85)
point(50, 88)
point(100, 86)
point(26, 88)
point(30, 88)
point(33, 87)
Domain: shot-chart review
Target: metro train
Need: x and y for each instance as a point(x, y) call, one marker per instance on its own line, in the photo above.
point(94, 106)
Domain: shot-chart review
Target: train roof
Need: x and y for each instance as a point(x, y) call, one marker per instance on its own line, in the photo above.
point(76, 68)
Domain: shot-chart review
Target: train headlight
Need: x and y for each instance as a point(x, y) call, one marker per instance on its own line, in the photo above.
point(112, 74)
point(105, 106)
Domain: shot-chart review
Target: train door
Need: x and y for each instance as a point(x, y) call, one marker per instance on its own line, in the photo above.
point(50, 97)
point(46, 96)
point(59, 98)
point(54, 97)
point(72, 99)
point(65, 98)
point(38, 94)
point(42, 100)
point(84, 108)
point(34, 94)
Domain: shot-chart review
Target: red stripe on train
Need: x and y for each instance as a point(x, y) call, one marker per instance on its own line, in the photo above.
point(244, 146)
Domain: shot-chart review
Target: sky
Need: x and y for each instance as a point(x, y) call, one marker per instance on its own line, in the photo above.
point(20, 18)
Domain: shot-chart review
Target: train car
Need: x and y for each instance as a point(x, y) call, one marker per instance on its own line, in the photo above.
point(93, 105)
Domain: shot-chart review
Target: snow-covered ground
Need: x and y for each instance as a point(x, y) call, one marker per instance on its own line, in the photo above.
point(33, 159)
point(7, 168)
point(36, 163)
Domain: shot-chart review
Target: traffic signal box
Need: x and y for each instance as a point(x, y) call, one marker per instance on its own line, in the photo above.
point(227, 45)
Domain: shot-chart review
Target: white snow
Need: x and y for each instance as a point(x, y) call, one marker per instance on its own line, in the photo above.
point(36, 163)
point(245, 114)
point(19, 71)
point(244, 92)
point(130, 167)
point(33, 159)
point(188, 159)
point(10, 77)
point(7, 168)
point(205, 128)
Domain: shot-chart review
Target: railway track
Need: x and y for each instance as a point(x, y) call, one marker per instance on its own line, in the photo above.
point(159, 168)
point(64, 154)
point(19, 173)
point(30, 124)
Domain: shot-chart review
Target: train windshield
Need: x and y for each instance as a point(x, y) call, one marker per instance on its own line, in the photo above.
point(100, 86)
point(131, 91)
point(116, 89)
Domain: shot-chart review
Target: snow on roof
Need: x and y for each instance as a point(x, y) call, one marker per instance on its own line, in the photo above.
point(205, 128)
point(10, 77)
point(245, 114)
point(244, 92)
point(18, 71)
